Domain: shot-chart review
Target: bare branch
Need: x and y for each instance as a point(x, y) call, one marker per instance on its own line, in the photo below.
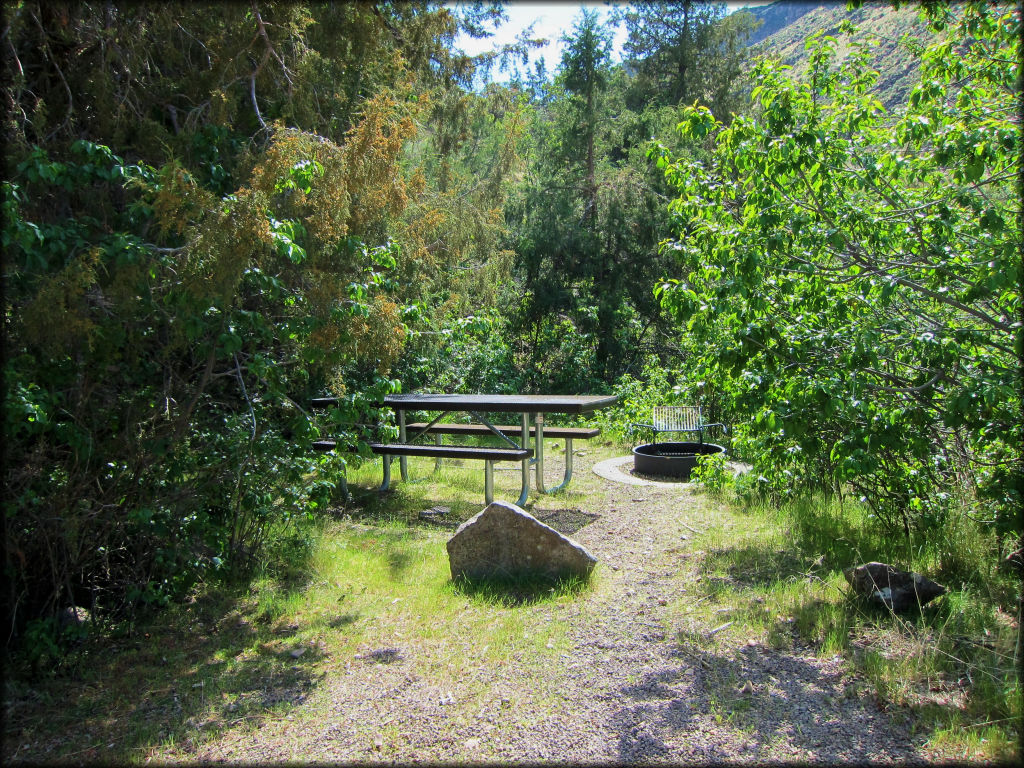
point(939, 375)
point(252, 95)
point(262, 30)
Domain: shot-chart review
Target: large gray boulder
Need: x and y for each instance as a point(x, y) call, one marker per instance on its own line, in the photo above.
point(504, 541)
point(888, 586)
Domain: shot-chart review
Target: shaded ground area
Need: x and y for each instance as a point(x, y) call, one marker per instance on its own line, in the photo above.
point(638, 679)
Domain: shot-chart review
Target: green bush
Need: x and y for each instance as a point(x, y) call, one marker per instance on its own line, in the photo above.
point(712, 473)
point(850, 278)
point(155, 395)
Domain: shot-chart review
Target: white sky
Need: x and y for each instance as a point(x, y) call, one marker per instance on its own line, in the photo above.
point(553, 19)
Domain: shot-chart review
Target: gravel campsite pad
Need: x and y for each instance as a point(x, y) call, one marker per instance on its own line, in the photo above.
point(634, 679)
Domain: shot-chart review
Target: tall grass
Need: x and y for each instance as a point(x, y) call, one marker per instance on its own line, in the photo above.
point(950, 662)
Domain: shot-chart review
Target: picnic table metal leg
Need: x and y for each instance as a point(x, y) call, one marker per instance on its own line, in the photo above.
point(525, 464)
point(437, 461)
point(539, 454)
point(539, 460)
point(568, 466)
point(344, 484)
point(403, 461)
point(488, 481)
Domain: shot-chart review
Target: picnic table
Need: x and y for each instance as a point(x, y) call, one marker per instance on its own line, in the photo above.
point(523, 442)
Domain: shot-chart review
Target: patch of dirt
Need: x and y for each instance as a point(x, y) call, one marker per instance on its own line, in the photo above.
point(568, 522)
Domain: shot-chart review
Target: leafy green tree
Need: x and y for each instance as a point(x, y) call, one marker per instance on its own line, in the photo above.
point(686, 51)
point(149, 76)
point(850, 280)
point(212, 214)
point(584, 75)
point(458, 224)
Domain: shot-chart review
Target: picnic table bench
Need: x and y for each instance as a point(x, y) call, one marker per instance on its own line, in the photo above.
point(568, 434)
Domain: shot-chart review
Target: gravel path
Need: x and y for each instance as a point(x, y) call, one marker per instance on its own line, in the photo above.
point(630, 687)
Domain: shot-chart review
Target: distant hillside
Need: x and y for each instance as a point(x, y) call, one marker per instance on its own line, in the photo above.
point(775, 16)
point(789, 23)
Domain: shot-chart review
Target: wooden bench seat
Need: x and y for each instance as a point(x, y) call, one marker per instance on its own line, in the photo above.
point(579, 433)
point(438, 451)
point(488, 455)
point(452, 451)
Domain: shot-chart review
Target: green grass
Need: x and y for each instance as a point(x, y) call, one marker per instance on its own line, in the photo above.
point(458, 484)
point(777, 575)
point(369, 583)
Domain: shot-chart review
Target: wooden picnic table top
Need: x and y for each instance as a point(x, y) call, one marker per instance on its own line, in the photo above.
point(419, 401)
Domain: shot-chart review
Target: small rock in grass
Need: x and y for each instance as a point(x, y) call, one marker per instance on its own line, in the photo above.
point(890, 587)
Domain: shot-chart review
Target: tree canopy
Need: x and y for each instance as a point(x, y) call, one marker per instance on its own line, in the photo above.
point(850, 279)
point(213, 213)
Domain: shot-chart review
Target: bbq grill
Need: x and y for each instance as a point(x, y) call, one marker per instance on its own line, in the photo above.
point(671, 459)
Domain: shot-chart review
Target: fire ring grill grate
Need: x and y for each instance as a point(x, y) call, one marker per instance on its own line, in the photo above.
point(671, 459)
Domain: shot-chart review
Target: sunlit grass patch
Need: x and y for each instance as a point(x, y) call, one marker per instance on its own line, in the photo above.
point(966, 741)
point(775, 576)
point(457, 484)
point(951, 663)
point(402, 574)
